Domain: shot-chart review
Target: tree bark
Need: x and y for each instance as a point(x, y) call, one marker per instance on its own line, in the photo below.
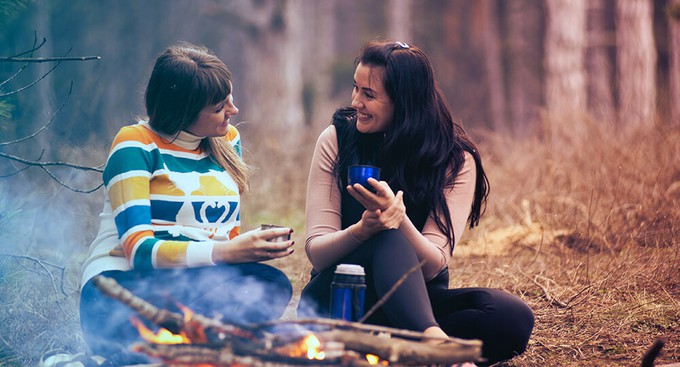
point(565, 81)
point(493, 64)
point(525, 52)
point(564, 55)
point(636, 63)
point(399, 20)
point(674, 69)
point(599, 63)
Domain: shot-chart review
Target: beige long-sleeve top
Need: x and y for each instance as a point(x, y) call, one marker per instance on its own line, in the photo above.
point(326, 241)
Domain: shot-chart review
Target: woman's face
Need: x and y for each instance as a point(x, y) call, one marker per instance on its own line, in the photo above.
point(213, 120)
point(375, 108)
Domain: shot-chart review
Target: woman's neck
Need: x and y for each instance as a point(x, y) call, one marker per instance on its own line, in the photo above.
point(183, 139)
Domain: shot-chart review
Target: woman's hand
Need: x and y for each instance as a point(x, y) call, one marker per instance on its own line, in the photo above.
point(374, 221)
point(381, 199)
point(253, 246)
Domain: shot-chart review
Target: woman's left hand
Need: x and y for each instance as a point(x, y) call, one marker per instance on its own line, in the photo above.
point(381, 199)
point(374, 221)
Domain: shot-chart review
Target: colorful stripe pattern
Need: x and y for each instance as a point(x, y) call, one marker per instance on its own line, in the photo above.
point(170, 204)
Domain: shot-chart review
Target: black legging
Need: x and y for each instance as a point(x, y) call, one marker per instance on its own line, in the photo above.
point(500, 320)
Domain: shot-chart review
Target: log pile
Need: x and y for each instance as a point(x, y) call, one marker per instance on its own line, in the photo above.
point(340, 343)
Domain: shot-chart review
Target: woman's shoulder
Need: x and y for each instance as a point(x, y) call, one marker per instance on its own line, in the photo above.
point(136, 132)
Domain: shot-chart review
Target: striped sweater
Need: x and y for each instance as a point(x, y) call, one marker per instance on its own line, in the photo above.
point(169, 202)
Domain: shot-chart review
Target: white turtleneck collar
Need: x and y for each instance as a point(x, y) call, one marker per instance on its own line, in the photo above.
point(184, 139)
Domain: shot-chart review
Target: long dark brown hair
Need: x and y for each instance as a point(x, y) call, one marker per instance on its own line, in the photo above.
point(185, 79)
point(423, 148)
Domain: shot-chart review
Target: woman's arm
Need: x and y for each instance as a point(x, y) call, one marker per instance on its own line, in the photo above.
point(326, 242)
point(430, 245)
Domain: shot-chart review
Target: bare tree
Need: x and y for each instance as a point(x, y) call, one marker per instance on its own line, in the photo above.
point(20, 163)
point(636, 62)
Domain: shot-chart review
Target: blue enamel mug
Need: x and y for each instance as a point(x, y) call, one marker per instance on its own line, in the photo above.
point(361, 173)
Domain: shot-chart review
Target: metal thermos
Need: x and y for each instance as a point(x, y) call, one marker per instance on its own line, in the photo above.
point(348, 291)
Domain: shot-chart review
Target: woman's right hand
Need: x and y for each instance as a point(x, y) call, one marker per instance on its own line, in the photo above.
point(253, 246)
point(374, 221)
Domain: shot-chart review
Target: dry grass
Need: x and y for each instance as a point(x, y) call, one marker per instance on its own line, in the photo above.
point(587, 234)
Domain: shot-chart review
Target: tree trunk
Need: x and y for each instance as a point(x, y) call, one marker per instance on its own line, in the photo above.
point(320, 50)
point(599, 62)
point(399, 20)
point(564, 55)
point(493, 64)
point(565, 81)
point(674, 70)
point(525, 52)
point(636, 63)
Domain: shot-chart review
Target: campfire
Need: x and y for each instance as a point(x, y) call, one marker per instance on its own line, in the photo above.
point(191, 339)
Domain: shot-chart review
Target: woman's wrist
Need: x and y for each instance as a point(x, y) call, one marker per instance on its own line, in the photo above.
point(357, 231)
point(221, 253)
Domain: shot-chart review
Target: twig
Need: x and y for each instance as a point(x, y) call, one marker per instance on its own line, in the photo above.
point(23, 67)
point(547, 294)
point(70, 89)
point(43, 264)
point(48, 59)
point(48, 164)
point(35, 48)
point(389, 293)
point(33, 82)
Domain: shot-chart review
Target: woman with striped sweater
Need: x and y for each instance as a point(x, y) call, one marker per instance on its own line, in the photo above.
point(170, 231)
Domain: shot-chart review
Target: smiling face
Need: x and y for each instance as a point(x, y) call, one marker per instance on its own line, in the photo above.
point(213, 120)
point(375, 108)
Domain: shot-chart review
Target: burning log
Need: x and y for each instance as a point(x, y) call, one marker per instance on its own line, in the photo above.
point(340, 343)
point(194, 326)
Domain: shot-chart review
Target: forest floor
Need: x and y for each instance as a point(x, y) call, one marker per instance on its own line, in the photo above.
point(589, 238)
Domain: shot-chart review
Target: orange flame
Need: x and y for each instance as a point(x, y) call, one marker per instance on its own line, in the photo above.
point(312, 344)
point(162, 336)
point(373, 359)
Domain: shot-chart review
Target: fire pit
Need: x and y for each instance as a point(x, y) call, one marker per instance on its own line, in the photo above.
point(191, 339)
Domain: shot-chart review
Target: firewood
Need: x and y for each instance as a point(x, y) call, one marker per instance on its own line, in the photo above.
point(196, 354)
point(195, 327)
point(404, 351)
point(252, 346)
point(376, 329)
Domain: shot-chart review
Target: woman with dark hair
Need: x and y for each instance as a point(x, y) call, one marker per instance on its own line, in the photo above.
point(432, 186)
point(170, 229)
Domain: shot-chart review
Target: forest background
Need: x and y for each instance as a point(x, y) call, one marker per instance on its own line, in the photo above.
point(575, 105)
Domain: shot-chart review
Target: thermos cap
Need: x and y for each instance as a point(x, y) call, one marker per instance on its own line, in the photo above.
point(350, 269)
